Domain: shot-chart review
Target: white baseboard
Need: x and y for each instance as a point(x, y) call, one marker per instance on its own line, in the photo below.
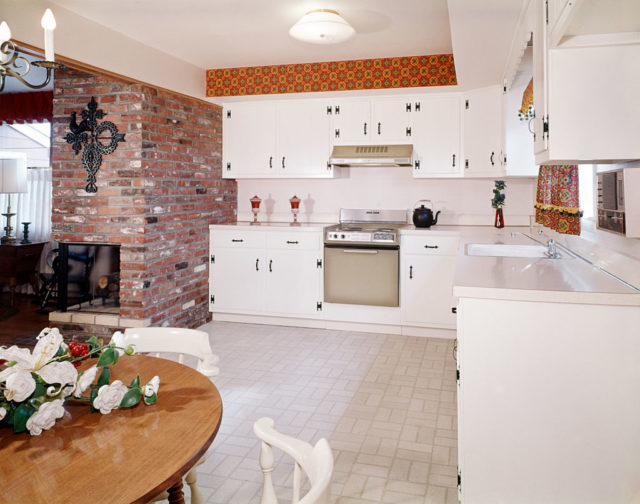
point(426, 332)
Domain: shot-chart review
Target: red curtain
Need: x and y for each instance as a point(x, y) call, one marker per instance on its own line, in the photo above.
point(557, 198)
point(26, 107)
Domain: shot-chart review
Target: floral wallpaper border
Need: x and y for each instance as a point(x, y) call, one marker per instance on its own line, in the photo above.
point(382, 73)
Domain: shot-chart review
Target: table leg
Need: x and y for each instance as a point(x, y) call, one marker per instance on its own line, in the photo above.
point(13, 282)
point(176, 496)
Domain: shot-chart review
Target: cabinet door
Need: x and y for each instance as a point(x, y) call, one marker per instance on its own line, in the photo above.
point(237, 280)
point(482, 123)
point(390, 121)
point(435, 132)
point(249, 140)
point(427, 293)
point(293, 282)
point(540, 95)
point(351, 122)
point(303, 139)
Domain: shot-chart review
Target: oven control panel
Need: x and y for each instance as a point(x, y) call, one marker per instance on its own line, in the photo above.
point(346, 236)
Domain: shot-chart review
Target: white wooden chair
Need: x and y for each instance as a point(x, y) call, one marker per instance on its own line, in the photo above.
point(175, 340)
point(183, 342)
point(315, 461)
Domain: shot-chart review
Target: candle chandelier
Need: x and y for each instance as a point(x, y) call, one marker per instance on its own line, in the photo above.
point(13, 63)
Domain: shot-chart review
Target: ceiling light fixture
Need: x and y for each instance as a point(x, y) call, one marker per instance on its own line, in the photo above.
point(322, 26)
point(14, 64)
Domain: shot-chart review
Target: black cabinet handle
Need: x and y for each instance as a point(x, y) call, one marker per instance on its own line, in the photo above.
point(257, 262)
point(365, 128)
point(491, 159)
point(329, 110)
point(337, 109)
point(270, 263)
point(410, 272)
point(416, 164)
point(431, 246)
point(454, 309)
point(337, 134)
point(270, 161)
point(454, 160)
point(379, 124)
point(292, 242)
point(408, 107)
point(283, 161)
point(234, 240)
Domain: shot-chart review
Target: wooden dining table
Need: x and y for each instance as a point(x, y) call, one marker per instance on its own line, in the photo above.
point(129, 455)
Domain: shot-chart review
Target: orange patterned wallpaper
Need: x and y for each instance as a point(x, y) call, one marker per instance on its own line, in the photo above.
point(384, 73)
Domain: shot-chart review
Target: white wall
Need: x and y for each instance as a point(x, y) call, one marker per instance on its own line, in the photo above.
point(83, 40)
point(462, 201)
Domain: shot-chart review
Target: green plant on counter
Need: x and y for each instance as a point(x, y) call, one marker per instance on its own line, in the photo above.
point(498, 197)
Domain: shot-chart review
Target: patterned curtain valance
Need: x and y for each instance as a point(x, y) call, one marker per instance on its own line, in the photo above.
point(526, 109)
point(26, 107)
point(557, 199)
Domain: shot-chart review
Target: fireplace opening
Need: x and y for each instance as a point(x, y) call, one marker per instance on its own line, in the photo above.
point(87, 277)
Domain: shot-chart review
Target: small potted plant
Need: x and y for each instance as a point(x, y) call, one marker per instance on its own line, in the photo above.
point(497, 202)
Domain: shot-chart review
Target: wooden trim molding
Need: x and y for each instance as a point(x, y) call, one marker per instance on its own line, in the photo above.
point(101, 72)
point(382, 73)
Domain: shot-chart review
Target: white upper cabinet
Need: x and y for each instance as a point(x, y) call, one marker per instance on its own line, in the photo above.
point(435, 134)
point(390, 121)
point(288, 138)
point(248, 140)
point(375, 121)
point(303, 138)
point(585, 84)
point(351, 123)
point(483, 133)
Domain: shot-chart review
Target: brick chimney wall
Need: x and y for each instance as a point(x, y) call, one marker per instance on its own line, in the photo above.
point(157, 193)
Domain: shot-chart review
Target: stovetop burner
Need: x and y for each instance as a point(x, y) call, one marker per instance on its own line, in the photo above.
point(367, 227)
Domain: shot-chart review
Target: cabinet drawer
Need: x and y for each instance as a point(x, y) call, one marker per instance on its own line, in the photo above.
point(294, 241)
point(433, 245)
point(237, 239)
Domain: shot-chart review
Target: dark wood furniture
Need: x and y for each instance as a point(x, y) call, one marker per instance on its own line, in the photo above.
point(18, 265)
point(128, 456)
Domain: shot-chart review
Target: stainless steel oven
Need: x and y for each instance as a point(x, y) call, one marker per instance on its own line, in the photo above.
point(362, 258)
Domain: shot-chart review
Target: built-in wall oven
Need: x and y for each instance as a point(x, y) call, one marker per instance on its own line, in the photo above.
point(362, 258)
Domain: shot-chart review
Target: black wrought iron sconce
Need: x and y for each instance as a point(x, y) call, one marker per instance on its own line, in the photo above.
point(88, 134)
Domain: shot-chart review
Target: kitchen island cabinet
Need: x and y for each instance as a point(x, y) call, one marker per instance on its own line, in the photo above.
point(548, 381)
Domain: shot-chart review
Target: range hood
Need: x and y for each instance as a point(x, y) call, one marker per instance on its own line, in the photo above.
point(372, 155)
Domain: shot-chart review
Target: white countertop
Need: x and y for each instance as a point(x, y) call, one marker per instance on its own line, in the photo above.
point(565, 280)
point(280, 226)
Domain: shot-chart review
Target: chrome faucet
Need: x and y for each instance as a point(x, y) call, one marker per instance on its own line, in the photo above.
point(552, 252)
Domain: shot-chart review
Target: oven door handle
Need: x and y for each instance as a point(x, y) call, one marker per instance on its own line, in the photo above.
point(359, 251)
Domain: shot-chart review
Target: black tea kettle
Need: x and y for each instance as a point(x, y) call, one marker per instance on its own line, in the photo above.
point(422, 216)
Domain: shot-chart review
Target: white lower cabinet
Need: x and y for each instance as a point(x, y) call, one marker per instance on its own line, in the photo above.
point(548, 408)
point(265, 273)
point(428, 266)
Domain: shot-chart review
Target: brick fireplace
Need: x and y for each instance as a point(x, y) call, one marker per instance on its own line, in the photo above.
point(157, 194)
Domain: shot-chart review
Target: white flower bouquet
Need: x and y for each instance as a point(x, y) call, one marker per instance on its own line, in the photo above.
point(35, 384)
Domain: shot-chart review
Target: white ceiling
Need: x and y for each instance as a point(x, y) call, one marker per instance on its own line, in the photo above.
point(231, 33)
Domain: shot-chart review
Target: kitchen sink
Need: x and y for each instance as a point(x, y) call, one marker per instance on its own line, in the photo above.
point(508, 250)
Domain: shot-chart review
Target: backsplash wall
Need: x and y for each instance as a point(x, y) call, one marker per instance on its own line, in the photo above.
point(462, 201)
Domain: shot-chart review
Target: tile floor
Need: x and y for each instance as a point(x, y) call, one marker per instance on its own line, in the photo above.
point(386, 403)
